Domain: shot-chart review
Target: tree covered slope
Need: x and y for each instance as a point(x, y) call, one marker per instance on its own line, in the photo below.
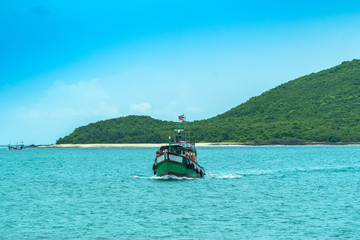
point(320, 107)
point(130, 129)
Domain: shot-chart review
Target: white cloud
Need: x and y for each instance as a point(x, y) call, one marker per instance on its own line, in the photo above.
point(58, 111)
point(81, 99)
point(140, 108)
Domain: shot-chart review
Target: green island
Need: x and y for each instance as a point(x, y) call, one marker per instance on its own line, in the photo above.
point(321, 107)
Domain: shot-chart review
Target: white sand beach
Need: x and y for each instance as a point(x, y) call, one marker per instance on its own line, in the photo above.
point(119, 145)
point(156, 145)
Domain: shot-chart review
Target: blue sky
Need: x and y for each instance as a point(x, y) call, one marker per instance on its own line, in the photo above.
point(64, 64)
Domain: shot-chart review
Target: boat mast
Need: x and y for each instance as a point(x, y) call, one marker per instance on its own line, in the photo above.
point(186, 130)
point(183, 124)
point(178, 136)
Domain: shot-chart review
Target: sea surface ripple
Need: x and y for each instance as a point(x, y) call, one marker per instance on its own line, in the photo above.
point(292, 192)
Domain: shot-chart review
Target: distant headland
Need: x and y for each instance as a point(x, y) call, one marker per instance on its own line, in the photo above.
point(319, 108)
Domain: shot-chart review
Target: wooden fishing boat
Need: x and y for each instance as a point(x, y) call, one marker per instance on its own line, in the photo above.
point(18, 146)
point(178, 158)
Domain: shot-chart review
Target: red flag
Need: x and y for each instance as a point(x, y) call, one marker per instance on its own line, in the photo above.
point(181, 118)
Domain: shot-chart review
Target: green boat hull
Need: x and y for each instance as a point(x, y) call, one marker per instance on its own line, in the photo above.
point(172, 168)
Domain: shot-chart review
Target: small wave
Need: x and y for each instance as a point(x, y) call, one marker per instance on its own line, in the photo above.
point(241, 174)
point(354, 168)
point(224, 176)
point(256, 172)
point(167, 177)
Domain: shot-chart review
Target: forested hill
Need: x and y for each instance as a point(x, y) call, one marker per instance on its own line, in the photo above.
point(320, 107)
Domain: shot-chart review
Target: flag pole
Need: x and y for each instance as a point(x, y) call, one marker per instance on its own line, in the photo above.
point(169, 143)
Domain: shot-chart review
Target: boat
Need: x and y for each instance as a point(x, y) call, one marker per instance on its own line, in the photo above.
point(17, 146)
point(178, 158)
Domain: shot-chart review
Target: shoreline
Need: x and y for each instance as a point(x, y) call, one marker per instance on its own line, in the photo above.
point(157, 145)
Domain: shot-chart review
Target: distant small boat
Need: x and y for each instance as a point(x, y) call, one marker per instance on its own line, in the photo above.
point(178, 158)
point(17, 146)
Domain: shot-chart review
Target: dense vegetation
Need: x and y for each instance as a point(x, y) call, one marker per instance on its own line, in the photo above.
point(320, 107)
point(130, 129)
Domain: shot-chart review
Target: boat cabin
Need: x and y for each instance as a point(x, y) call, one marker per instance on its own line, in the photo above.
point(176, 149)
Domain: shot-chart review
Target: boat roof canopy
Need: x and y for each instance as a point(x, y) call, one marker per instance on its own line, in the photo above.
point(176, 147)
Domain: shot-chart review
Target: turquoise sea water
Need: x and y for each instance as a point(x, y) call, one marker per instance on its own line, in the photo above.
point(300, 192)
